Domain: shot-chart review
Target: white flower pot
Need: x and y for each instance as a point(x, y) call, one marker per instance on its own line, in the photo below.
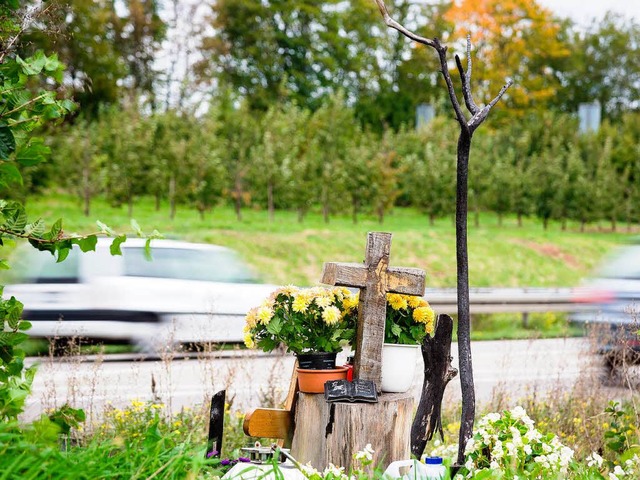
point(398, 367)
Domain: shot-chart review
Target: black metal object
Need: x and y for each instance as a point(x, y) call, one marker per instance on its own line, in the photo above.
point(216, 425)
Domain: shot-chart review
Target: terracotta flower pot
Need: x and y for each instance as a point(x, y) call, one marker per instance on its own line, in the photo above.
point(312, 381)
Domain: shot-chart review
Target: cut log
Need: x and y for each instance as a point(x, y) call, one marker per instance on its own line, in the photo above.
point(331, 433)
point(438, 372)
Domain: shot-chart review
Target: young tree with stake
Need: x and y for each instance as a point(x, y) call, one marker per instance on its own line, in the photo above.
point(467, 129)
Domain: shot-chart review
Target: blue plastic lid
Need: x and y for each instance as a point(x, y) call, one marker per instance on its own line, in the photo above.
point(433, 460)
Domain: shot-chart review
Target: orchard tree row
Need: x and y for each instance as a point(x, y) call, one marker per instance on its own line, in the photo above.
point(291, 158)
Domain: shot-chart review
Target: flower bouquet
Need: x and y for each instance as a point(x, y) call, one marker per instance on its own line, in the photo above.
point(313, 323)
point(312, 319)
point(409, 319)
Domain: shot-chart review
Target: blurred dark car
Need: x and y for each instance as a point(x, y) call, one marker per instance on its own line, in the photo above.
point(613, 295)
point(187, 293)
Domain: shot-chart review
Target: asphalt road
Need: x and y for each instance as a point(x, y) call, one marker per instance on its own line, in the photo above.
point(509, 369)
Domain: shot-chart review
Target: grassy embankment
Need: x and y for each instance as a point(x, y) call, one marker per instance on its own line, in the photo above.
point(286, 251)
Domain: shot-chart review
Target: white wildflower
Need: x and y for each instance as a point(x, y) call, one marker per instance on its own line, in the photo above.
point(518, 413)
point(365, 455)
point(308, 470)
point(333, 470)
point(594, 460)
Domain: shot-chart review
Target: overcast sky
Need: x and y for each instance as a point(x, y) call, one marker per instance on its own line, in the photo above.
point(582, 11)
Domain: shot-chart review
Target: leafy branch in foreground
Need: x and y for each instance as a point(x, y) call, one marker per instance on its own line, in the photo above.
point(28, 99)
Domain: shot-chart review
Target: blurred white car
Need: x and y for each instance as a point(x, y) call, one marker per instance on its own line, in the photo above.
point(613, 294)
point(187, 293)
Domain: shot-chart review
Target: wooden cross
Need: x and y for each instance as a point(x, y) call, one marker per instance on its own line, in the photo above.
point(375, 279)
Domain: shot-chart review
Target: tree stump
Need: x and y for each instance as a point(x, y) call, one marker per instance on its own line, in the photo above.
point(332, 432)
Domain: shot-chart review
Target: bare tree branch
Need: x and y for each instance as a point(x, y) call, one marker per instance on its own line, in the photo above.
point(393, 24)
point(465, 77)
point(30, 14)
point(481, 115)
point(442, 56)
point(474, 108)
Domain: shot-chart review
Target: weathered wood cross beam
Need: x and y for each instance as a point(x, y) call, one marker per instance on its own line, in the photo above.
point(375, 279)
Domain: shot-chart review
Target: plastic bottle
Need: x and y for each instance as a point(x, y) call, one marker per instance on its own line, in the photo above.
point(435, 470)
point(406, 470)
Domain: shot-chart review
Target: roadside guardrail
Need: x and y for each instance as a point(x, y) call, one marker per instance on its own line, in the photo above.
point(505, 300)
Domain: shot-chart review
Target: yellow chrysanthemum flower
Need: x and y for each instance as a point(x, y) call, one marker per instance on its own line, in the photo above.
point(351, 301)
point(290, 290)
point(429, 327)
point(414, 301)
point(252, 318)
point(300, 303)
point(424, 315)
point(341, 293)
point(323, 301)
point(268, 303)
point(248, 340)
point(264, 314)
point(397, 302)
point(331, 315)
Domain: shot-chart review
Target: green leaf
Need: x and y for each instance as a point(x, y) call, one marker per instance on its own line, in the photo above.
point(34, 152)
point(67, 105)
point(32, 65)
point(13, 312)
point(115, 245)
point(36, 228)
point(396, 330)
point(136, 228)
point(4, 265)
point(147, 250)
point(15, 219)
point(7, 142)
point(12, 338)
point(105, 229)
point(24, 325)
point(52, 63)
point(9, 174)
point(87, 244)
point(56, 230)
point(274, 326)
point(63, 253)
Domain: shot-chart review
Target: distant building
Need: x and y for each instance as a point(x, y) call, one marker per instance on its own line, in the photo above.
point(424, 114)
point(589, 114)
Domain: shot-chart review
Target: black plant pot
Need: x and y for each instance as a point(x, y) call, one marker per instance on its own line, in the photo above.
point(317, 360)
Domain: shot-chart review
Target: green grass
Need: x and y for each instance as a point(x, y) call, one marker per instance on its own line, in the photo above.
point(287, 251)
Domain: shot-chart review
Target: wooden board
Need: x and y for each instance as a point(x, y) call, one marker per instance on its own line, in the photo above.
point(268, 423)
point(274, 422)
